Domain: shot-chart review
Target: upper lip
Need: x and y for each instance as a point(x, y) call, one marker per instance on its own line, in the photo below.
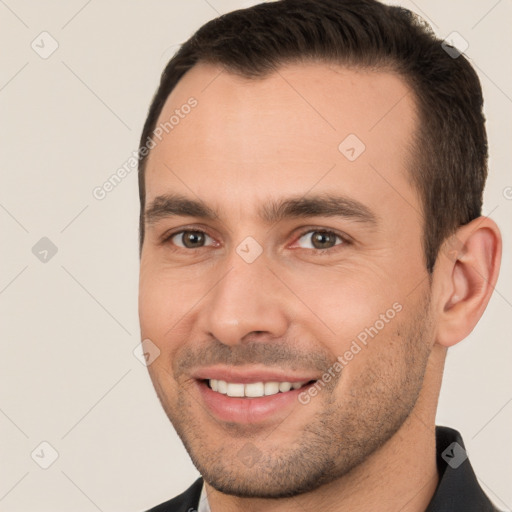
point(247, 375)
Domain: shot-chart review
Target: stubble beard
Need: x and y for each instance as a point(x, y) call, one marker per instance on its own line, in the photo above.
point(349, 427)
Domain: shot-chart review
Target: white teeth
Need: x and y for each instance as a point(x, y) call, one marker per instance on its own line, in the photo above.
point(284, 386)
point(235, 390)
point(271, 388)
point(222, 386)
point(253, 389)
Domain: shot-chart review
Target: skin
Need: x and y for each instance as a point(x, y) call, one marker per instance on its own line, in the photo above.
point(366, 441)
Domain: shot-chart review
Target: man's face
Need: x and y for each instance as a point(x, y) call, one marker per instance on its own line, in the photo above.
point(260, 296)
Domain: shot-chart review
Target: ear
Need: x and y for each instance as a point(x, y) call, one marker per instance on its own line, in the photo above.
point(464, 278)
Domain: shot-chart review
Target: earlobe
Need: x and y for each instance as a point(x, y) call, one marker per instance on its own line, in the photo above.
point(469, 271)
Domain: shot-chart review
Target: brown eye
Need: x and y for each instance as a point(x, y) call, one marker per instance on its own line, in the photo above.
point(189, 239)
point(320, 239)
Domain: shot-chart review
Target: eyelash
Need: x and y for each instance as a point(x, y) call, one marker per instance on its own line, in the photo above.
point(344, 239)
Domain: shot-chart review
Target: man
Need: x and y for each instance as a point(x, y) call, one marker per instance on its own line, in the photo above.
point(311, 245)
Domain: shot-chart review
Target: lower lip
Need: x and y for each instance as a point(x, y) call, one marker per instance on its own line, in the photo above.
point(249, 410)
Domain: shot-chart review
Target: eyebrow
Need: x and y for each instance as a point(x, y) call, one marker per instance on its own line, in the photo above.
point(320, 205)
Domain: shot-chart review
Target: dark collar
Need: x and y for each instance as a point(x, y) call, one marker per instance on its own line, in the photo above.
point(185, 502)
point(457, 491)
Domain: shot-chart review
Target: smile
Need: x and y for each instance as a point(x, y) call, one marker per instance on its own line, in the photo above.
point(252, 389)
point(251, 394)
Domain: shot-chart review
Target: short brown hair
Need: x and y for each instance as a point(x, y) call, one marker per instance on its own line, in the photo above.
point(449, 167)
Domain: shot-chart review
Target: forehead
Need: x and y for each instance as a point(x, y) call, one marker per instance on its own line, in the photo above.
point(308, 125)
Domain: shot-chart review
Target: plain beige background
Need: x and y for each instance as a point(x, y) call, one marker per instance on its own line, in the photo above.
point(69, 324)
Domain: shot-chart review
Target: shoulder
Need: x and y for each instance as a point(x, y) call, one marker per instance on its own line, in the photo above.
point(185, 502)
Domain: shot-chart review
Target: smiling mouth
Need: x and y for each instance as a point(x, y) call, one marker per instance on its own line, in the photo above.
point(253, 389)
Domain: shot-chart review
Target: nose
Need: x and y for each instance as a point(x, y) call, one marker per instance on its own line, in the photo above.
point(248, 302)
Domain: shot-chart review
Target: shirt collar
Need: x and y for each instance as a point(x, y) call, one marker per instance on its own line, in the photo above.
point(203, 506)
point(458, 489)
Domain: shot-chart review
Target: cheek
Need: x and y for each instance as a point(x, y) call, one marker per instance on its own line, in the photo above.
point(166, 302)
point(342, 303)
point(157, 303)
point(160, 309)
point(355, 318)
